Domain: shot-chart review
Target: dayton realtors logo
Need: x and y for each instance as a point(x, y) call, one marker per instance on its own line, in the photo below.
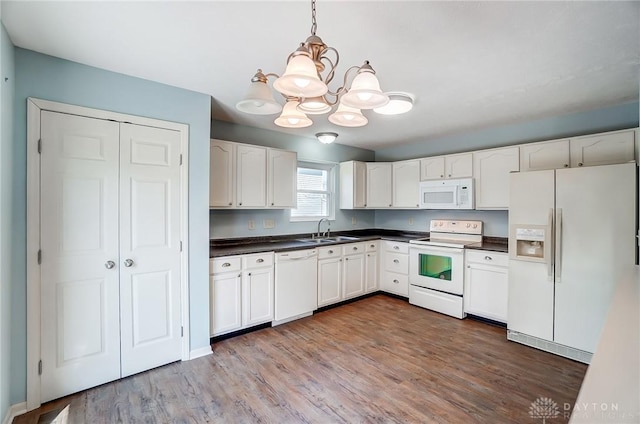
point(544, 408)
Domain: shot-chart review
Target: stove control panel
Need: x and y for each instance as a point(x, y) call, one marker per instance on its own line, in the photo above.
point(457, 227)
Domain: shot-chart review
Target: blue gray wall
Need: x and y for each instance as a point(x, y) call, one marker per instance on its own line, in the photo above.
point(7, 267)
point(599, 120)
point(50, 78)
point(234, 223)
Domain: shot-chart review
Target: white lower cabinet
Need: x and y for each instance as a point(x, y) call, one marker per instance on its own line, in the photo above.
point(329, 278)
point(353, 270)
point(486, 284)
point(371, 267)
point(394, 273)
point(241, 292)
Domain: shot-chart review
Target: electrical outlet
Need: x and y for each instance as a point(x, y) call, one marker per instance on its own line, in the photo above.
point(353, 220)
point(252, 224)
point(269, 223)
point(411, 221)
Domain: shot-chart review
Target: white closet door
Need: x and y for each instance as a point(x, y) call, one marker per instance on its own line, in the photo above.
point(79, 214)
point(150, 239)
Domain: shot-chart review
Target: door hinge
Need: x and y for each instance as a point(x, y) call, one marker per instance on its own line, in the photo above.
point(39, 145)
point(181, 246)
point(40, 367)
point(39, 256)
point(181, 331)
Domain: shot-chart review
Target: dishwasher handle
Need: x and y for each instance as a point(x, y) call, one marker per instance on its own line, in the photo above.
point(294, 256)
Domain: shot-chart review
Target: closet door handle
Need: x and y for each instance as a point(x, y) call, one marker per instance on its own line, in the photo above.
point(128, 263)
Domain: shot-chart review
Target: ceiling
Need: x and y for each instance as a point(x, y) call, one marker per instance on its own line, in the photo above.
point(470, 65)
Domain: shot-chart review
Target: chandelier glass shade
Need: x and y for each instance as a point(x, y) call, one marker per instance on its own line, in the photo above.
point(347, 116)
point(305, 84)
point(291, 117)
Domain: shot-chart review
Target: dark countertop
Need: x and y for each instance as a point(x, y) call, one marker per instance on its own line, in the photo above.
point(494, 244)
point(283, 243)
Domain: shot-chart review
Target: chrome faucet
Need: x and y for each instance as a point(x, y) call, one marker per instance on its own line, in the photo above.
point(328, 233)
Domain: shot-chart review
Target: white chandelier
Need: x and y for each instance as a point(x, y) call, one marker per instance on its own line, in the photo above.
point(304, 84)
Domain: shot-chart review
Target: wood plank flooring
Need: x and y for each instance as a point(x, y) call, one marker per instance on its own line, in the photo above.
point(377, 360)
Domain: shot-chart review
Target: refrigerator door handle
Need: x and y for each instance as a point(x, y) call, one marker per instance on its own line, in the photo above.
point(558, 244)
point(548, 251)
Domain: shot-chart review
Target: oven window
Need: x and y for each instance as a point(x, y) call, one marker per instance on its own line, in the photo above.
point(434, 266)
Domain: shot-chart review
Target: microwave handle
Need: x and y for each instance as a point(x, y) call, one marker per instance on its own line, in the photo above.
point(456, 194)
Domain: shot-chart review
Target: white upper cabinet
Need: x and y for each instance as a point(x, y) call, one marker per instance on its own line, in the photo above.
point(222, 182)
point(251, 176)
point(378, 185)
point(546, 155)
point(282, 178)
point(491, 170)
point(450, 166)
point(353, 183)
point(432, 168)
point(603, 149)
point(406, 180)
point(458, 166)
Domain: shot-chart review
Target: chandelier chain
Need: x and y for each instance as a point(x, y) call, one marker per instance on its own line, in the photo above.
point(314, 24)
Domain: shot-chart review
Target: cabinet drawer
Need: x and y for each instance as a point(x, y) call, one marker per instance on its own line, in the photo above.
point(353, 248)
point(329, 252)
point(371, 246)
point(397, 247)
point(395, 283)
point(225, 264)
point(259, 260)
point(487, 257)
point(396, 262)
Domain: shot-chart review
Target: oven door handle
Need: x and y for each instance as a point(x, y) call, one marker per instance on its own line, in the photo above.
point(436, 249)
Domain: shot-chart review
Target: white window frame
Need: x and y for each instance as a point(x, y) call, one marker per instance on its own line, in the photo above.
point(331, 190)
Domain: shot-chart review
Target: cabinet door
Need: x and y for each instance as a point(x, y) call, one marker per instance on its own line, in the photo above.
point(329, 281)
point(251, 176)
point(406, 180)
point(353, 276)
point(371, 272)
point(486, 289)
point(491, 170)
point(225, 303)
point(257, 296)
point(432, 168)
point(353, 177)
point(283, 167)
point(547, 155)
point(459, 166)
point(378, 185)
point(221, 175)
point(603, 149)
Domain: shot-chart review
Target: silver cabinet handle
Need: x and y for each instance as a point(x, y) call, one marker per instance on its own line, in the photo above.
point(355, 248)
point(109, 264)
point(449, 175)
point(260, 260)
point(441, 175)
point(346, 259)
point(579, 163)
point(396, 247)
point(128, 263)
point(488, 258)
point(395, 261)
point(372, 246)
point(396, 281)
point(330, 252)
point(566, 165)
point(230, 203)
point(226, 264)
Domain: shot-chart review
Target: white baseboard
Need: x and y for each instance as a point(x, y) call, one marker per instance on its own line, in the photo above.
point(14, 411)
point(203, 351)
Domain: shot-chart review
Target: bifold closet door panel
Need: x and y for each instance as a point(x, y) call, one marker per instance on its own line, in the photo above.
point(80, 326)
point(149, 247)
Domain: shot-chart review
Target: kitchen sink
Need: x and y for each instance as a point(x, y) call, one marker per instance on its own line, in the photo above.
point(342, 238)
point(316, 240)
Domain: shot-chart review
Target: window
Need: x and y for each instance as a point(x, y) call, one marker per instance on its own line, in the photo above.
point(315, 192)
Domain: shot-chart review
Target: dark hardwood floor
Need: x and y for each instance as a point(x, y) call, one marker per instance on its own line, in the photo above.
point(375, 360)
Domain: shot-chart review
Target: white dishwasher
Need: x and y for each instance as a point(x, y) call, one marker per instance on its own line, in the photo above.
point(296, 292)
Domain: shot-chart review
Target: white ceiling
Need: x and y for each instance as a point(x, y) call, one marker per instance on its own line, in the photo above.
point(469, 64)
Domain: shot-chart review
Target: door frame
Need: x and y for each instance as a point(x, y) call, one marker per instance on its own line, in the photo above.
point(34, 107)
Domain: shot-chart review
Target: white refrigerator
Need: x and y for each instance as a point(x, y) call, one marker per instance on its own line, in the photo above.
point(571, 232)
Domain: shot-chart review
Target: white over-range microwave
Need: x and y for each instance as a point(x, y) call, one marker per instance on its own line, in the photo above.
point(447, 194)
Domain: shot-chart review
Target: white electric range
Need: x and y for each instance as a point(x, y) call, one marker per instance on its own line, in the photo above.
point(436, 265)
